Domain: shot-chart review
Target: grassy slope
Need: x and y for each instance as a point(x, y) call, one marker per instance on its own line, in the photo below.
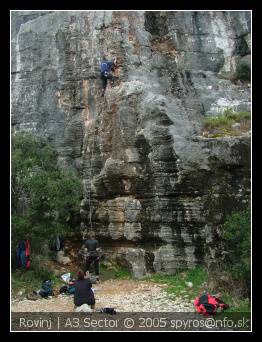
point(221, 125)
point(176, 284)
point(177, 287)
point(31, 279)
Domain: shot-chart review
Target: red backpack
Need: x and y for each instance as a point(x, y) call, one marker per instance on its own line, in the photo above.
point(208, 304)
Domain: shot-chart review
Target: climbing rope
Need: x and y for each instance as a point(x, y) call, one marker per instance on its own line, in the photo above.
point(90, 183)
point(103, 43)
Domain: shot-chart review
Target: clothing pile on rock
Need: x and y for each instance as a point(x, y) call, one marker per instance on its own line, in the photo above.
point(66, 278)
point(23, 254)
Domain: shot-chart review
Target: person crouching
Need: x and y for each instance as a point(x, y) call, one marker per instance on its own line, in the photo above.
point(83, 291)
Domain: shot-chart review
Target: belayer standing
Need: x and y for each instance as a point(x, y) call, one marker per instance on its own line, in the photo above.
point(106, 72)
point(92, 254)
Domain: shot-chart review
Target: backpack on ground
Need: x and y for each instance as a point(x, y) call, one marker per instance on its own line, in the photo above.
point(27, 254)
point(67, 289)
point(56, 244)
point(208, 304)
point(23, 254)
point(110, 311)
point(63, 289)
point(47, 289)
point(71, 289)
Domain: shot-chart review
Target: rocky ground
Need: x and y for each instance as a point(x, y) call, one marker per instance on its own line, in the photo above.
point(123, 295)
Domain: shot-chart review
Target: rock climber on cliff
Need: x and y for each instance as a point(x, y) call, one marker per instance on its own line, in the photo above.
point(106, 72)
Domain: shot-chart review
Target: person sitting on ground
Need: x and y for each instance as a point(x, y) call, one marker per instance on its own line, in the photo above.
point(83, 291)
point(106, 72)
point(92, 254)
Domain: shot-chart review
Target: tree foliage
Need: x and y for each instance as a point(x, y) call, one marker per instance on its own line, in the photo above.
point(243, 72)
point(45, 198)
point(237, 235)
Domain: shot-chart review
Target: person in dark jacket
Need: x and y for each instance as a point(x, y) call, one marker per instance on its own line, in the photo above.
point(106, 69)
point(92, 254)
point(83, 291)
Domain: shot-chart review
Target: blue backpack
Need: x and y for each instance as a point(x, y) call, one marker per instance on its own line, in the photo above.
point(67, 289)
point(106, 66)
point(47, 289)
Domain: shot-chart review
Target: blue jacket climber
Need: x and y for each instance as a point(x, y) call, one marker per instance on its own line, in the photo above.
point(107, 66)
point(106, 72)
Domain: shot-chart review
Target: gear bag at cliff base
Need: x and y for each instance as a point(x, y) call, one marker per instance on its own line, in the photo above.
point(110, 311)
point(56, 244)
point(47, 289)
point(23, 254)
point(67, 289)
point(208, 304)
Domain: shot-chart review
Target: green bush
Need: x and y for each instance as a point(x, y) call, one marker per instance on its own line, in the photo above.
point(177, 283)
point(226, 119)
point(32, 279)
point(114, 271)
point(236, 232)
point(38, 269)
point(236, 116)
point(45, 198)
point(203, 281)
point(230, 114)
point(123, 273)
point(244, 115)
point(217, 121)
point(243, 72)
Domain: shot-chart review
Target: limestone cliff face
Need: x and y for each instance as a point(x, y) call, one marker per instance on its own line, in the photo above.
point(158, 188)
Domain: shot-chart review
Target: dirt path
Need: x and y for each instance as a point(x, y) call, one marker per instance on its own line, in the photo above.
point(123, 295)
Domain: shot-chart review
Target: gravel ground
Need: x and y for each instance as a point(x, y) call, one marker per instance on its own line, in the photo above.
point(123, 295)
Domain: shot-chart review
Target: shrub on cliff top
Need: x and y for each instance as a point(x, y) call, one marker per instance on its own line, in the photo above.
point(225, 120)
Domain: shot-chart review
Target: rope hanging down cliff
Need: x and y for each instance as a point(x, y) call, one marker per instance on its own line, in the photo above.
point(90, 183)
